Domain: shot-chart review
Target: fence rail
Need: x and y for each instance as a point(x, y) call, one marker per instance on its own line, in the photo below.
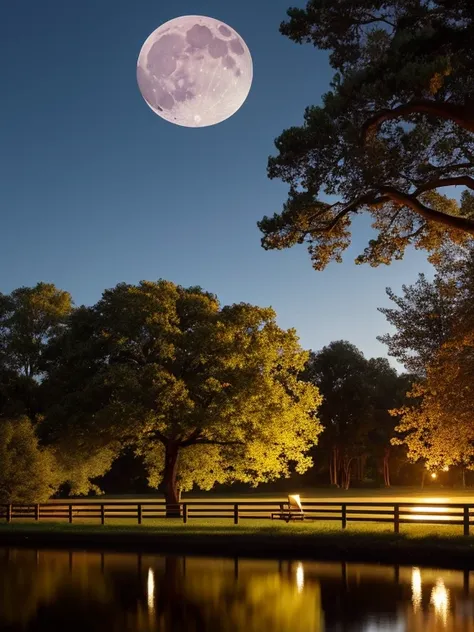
point(340, 512)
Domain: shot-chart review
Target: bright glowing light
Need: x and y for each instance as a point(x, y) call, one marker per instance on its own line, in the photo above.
point(423, 513)
point(434, 475)
point(440, 601)
point(446, 468)
point(151, 590)
point(426, 508)
point(300, 577)
point(416, 589)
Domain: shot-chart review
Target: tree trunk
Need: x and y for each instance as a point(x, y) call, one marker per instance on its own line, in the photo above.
point(386, 467)
point(334, 467)
point(331, 469)
point(423, 478)
point(464, 477)
point(170, 485)
point(347, 468)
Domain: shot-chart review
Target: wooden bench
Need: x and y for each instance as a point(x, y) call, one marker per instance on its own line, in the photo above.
point(292, 511)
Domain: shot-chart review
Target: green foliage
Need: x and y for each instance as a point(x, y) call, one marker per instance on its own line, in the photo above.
point(29, 317)
point(357, 396)
point(437, 425)
point(423, 319)
point(19, 394)
point(28, 473)
point(201, 466)
point(395, 129)
point(166, 369)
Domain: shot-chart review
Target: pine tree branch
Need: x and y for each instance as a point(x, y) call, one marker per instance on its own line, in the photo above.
point(452, 221)
point(459, 114)
point(465, 181)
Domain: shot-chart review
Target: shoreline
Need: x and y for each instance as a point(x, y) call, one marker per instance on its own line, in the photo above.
point(442, 552)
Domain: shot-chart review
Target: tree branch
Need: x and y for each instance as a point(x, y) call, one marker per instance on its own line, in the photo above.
point(161, 437)
point(466, 181)
point(459, 114)
point(456, 167)
point(458, 223)
point(191, 440)
point(368, 198)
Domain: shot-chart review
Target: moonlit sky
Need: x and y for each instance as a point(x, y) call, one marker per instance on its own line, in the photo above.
point(96, 189)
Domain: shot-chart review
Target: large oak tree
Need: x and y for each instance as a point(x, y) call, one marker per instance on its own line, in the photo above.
point(393, 132)
point(205, 393)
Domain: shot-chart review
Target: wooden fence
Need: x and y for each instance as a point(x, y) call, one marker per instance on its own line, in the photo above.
point(340, 512)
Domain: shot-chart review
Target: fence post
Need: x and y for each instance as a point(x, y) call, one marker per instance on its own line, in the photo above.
point(139, 513)
point(396, 518)
point(37, 512)
point(102, 514)
point(344, 515)
point(466, 519)
point(70, 514)
point(236, 513)
point(9, 513)
point(185, 512)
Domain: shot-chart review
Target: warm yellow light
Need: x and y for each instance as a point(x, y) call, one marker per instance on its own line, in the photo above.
point(426, 512)
point(151, 590)
point(434, 475)
point(446, 468)
point(300, 577)
point(416, 589)
point(440, 600)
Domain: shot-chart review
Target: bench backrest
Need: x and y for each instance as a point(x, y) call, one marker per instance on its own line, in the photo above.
point(294, 503)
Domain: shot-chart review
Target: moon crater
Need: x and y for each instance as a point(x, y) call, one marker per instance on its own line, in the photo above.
point(195, 71)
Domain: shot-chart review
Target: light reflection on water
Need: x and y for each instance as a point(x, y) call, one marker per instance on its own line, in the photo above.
point(416, 589)
point(151, 590)
point(89, 591)
point(440, 601)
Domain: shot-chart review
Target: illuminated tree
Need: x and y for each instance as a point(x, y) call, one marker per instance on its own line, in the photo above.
point(205, 393)
point(393, 132)
point(438, 427)
point(28, 473)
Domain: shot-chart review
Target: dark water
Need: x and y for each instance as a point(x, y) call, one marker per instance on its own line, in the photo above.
point(60, 590)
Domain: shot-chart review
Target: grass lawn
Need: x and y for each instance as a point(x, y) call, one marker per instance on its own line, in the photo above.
point(216, 526)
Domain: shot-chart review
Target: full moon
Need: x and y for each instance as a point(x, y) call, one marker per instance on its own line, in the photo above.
point(195, 71)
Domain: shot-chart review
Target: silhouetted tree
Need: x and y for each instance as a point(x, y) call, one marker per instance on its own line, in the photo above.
point(393, 132)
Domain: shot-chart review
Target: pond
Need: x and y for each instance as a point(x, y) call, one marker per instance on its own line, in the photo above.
point(46, 590)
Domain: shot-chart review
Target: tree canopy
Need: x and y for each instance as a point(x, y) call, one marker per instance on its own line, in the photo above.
point(395, 129)
point(28, 473)
point(357, 395)
point(29, 317)
point(206, 393)
point(436, 426)
point(423, 319)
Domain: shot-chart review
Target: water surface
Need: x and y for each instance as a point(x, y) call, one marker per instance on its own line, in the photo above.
point(87, 591)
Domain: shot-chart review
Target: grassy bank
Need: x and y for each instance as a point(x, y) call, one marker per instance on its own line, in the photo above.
point(416, 545)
